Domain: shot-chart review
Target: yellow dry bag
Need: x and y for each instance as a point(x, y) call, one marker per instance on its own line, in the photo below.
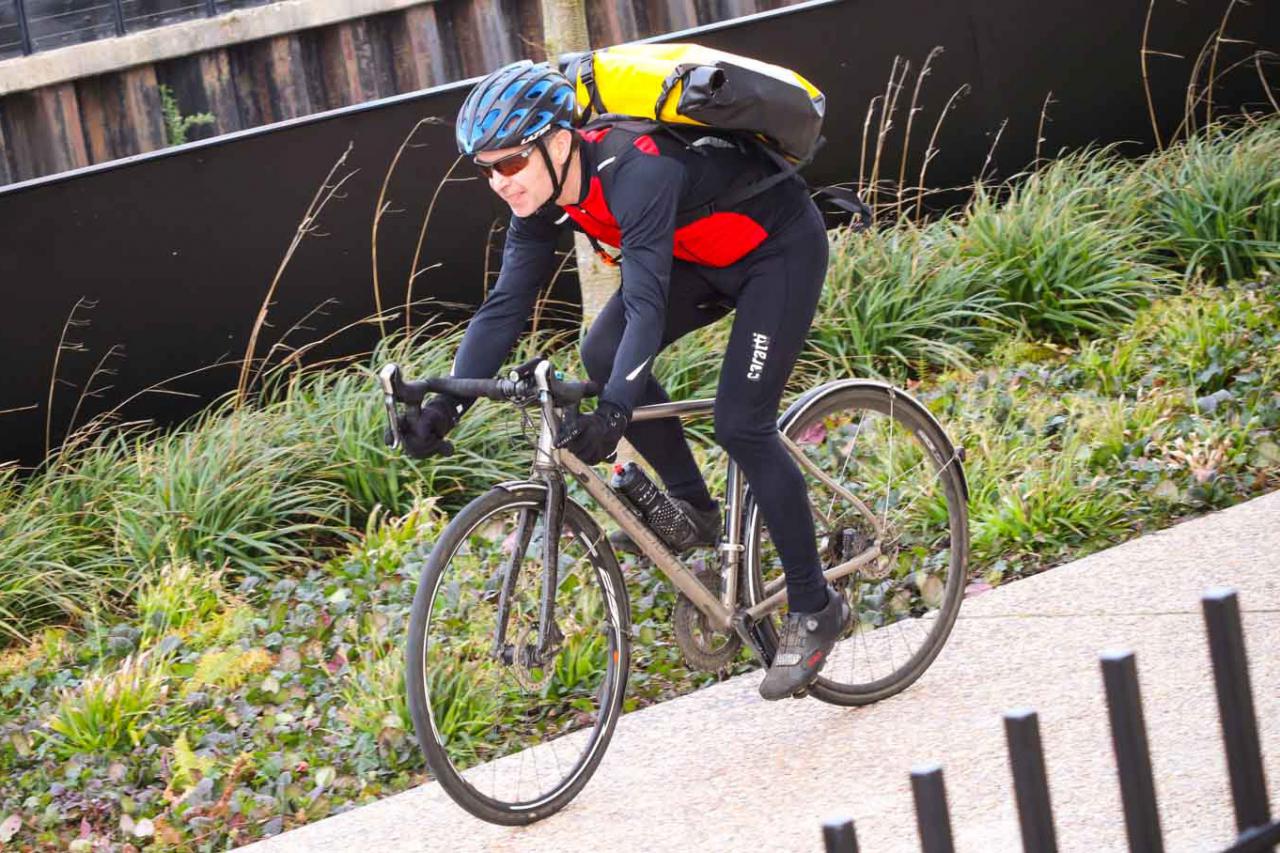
point(695, 85)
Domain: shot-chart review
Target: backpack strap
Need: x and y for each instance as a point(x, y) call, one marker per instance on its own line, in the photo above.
point(581, 67)
point(849, 202)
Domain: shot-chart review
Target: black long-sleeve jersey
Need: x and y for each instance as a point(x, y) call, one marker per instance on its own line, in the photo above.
point(648, 195)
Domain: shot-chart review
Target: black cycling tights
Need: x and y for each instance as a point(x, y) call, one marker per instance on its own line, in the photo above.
point(774, 292)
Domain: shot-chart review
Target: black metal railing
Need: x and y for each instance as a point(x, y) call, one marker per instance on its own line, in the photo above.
point(28, 26)
point(1256, 831)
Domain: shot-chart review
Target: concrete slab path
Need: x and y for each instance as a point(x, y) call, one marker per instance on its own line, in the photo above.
point(723, 770)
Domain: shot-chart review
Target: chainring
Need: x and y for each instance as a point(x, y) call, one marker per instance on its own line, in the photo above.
point(703, 647)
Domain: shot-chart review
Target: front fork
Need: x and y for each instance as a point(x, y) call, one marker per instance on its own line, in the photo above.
point(549, 634)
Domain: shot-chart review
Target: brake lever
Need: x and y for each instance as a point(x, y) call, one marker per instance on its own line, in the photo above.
point(389, 378)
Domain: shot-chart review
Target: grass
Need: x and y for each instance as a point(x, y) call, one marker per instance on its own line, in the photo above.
point(1212, 205)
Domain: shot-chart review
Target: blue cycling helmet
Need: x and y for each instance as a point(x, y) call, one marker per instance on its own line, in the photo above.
point(513, 106)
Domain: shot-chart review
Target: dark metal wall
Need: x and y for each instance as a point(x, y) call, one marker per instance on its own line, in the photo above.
point(178, 248)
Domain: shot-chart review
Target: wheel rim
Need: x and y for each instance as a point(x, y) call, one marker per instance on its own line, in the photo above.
point(518, 736)
point(904, 603)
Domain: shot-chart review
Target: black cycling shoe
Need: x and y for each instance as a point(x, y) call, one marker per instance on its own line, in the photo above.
point(807, 639)
point(706, 526)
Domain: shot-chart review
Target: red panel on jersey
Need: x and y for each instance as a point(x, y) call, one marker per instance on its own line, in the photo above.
point(718, 240)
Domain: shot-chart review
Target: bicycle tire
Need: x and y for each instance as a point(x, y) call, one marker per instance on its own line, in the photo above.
point(867, 396)
point(526, 497)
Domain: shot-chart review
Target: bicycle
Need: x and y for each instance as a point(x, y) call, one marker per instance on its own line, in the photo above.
point(519, 641)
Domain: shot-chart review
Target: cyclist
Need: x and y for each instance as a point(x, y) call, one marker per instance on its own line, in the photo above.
point(684, 265)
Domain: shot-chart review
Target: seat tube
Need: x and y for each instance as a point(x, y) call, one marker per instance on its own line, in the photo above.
point(731, 548)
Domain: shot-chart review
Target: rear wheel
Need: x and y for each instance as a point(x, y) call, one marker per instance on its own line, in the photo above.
point(902, 491)
point(510, 735)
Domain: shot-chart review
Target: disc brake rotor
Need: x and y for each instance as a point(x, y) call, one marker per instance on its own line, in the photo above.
point(524, 646)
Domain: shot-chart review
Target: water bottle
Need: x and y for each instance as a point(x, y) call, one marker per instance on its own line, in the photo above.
point(656, 509)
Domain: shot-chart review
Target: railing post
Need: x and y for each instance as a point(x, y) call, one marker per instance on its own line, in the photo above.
point(24, 32)
point(211, 8)
point(1133, 755)
point(1235, 708)
point(117, 12)
point(931, 810)
point(839, 836)
point(1030, 782)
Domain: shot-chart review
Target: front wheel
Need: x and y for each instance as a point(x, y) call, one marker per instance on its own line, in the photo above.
point(511, 731)
point(901, 491)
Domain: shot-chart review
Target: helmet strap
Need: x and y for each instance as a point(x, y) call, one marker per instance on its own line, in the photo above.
point(557, 181)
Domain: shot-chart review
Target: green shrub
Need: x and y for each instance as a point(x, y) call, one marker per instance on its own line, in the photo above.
point(1212, 203)
point(1062, 265)
point(179, 597)
point(111, 711)
point(234, 488)
point(896, 301)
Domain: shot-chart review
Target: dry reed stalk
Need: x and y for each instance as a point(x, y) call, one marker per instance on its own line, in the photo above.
point(1223, 73)
point(488, 252)
point(297, 354)
point(991, 152)
point(931, 150)
point(862, 155)
point(911, 116)
point(381, 208)
point(1044, 111)
point(892, 90)
point(417, 251)
point(326, 193)
point(101, 420)
point(1146, 78)
point(1266, 86)
point(281, 345)
point(1188, 124)
point(57, 357)
point(1219, 37)
point(89, 390)
point(546, 296)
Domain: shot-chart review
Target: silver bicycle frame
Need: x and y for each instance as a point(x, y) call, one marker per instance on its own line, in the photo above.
point(719, 612)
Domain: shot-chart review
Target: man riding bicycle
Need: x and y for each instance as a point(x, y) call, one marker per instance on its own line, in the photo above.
point(685, 264)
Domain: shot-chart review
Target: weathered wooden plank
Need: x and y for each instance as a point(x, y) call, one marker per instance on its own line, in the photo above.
point(348, 66)
point(611, 22)
point(380, 55)
point(103, 133)
point(527, 33)
point(406, 72)
point(429, 54)
point(464, 33)
point(361, 64)
point(63, 131)
point(143, 112)
point(288, 79)
point(185, 79)
point(311, 52)
point(36, 130)
point(220, 90)
point(252, 100)
point(681, 15)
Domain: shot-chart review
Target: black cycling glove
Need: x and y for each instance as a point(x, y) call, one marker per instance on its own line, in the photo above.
point(423, 430)
point(593, 438)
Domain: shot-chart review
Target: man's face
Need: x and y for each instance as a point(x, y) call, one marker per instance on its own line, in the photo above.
point(527, 184)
